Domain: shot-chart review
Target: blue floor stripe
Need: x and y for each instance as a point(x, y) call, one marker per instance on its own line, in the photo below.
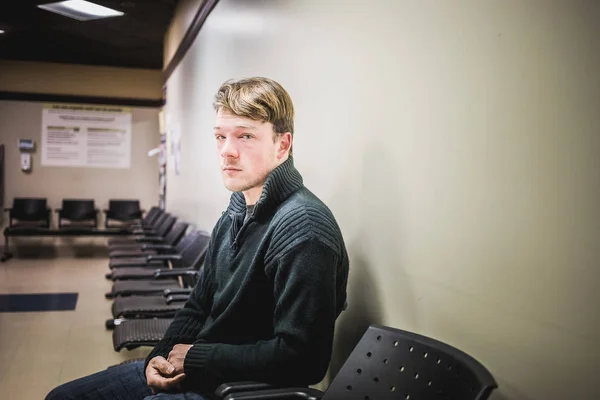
point(28, 302)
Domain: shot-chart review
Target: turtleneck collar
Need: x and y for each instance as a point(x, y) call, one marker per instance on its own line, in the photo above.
point(280, 184)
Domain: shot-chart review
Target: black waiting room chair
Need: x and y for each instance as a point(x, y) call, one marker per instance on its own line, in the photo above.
point(148, 219)
point(185, 266)
point(154, 233)
point(144, 265)
point(143, 320)
point(158, 245)
point(163, 305)
point(78, 213)
point(29, 212)
point(123, 211)
point(144, 329)
point(388, 364)
point(131, 334)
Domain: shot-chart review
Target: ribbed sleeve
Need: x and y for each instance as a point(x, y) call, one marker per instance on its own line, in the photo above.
point(187, 323)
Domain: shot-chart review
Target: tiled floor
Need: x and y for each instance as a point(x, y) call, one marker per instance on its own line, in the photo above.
point(39, 350)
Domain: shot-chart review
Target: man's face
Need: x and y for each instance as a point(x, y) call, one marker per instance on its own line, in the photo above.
point(247, 151)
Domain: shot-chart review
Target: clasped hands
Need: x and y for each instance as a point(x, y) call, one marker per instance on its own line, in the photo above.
point(163, 375)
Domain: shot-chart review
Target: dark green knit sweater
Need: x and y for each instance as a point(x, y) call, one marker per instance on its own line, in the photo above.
point(271, 291)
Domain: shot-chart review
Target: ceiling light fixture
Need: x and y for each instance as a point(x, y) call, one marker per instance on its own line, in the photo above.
point(80, 10)
point(1, 31)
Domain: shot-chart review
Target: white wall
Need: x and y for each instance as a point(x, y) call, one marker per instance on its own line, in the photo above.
point(182, 19)
point(457, 144)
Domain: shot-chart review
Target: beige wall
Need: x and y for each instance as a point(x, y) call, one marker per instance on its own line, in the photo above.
point(457, 144)
point(24, 120)
point(83, 80)
point(184, 15)
point(21, 119)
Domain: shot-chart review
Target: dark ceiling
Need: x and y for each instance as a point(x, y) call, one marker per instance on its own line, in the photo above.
point(133, 40)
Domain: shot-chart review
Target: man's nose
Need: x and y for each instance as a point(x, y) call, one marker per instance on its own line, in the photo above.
point(228, 149)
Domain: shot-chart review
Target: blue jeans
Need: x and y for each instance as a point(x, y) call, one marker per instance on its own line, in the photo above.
point(123, 382)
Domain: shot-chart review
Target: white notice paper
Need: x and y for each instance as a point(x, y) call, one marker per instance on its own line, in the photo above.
point(86, 136)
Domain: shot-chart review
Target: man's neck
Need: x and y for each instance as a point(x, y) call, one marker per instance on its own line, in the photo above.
point(252, 195)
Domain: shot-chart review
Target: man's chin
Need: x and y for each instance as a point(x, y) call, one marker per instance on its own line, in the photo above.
point(233, 187)
point(237, 187)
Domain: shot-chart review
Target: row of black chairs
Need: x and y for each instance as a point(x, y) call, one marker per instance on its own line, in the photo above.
point(155, 270)
point(153, 273)
point(34, 212)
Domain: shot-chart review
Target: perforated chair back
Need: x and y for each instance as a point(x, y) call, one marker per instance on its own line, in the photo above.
point(29, 209)
point(186, 241)
point(166, 224)
point(391, 364)
point(124, 210)
point(196, 250)
point(78, 209)
point(151, 216)
point(26, 209)
point(176, 233)
point(158, 221)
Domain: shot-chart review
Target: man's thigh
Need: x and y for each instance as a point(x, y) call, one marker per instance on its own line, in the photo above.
point(127, 382)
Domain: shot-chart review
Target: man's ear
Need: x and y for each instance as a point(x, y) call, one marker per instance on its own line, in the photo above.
point(285, 144)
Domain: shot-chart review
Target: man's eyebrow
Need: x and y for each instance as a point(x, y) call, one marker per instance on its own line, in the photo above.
point(238, 127)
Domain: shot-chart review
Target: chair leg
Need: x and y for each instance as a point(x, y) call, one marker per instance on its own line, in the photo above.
point(7, 255)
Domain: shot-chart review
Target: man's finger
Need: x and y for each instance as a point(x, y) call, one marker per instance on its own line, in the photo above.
point(176, 379)
point(163, 366)
point(159, 383)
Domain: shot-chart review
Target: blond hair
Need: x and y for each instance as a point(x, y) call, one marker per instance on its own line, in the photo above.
point(260, 99)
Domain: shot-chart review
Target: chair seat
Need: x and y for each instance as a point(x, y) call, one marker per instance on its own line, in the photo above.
point(29, 225)
point(23, 230)
point(128, 288)
point(134, 333)
point(135, 262)
point(76, 226)
point(133, 252)
point(133, 273)
point(147, 306)
point(122, 241)
point(127, 244)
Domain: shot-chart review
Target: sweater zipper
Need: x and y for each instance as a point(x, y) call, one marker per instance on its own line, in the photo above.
point(237, 228)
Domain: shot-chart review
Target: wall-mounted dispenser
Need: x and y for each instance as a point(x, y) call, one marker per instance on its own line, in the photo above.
point(26, 146)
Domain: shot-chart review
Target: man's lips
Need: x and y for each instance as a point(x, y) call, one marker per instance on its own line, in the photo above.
point(231, 169)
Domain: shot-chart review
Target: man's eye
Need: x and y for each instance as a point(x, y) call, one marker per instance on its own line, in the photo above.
point(219, 137)
point(246, 136)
